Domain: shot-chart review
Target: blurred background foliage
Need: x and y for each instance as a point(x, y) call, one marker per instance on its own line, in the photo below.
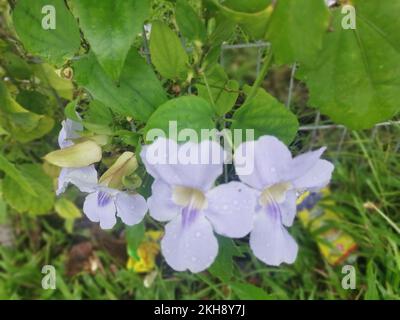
point(36, 228)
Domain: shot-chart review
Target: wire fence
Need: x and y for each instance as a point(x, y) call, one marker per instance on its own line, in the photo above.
point(311, 128)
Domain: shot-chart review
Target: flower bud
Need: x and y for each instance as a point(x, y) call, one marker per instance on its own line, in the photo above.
point(125, 165)
point(77, 156)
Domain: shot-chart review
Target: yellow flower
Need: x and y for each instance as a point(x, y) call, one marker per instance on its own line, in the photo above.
point(147, 253)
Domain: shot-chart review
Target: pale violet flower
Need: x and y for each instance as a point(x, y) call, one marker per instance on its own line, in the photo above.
point(103, 204)
point(277, 176)
point(183, 193)
point(83, 177)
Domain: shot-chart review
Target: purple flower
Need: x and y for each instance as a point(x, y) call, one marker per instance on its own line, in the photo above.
point(183, 194)
point(103, 203)
point(277, 176)
point(83, 177)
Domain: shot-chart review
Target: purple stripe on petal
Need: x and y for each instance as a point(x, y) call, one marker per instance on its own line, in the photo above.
point(103, 199)
point(273, 210)
point(189, 215)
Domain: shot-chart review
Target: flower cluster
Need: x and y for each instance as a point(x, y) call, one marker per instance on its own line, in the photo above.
point(186, 196)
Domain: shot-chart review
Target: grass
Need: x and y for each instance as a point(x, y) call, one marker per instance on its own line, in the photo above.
point(366, 192)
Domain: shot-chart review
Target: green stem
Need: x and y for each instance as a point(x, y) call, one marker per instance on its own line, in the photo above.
point(261, 76)
point(208, 90)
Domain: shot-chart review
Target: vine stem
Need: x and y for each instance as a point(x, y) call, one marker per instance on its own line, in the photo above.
point(208, 89)
point(261, 76)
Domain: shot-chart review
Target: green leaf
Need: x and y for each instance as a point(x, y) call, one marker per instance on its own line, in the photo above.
point(139, 92)
point(128, 137)
point(224, 92)
point(224, 31)
point(296, 30)
point(70, 111)
point(55, 45)
point(167, 53)
point(189, 23)
point(356, 78)
point(246, 291)
point(49, 78)
point(266, 116)
point(9, 169)
point(15, 66)
point(98, 118)
point(20, 200)
point(67, 209)
point(134, 236)
point(251, 15)
point(35, 101)
point(3, 132)
point(188, 112)
point(23, 125)
point(222, 267)
point(110, 28)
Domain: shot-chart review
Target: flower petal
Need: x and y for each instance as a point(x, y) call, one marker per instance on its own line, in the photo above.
point(191, 245)
point(231, 209)
point(99, 206)
point(131, 208)
point(288, 208)
point(270, 241)
point(315, 178)
point(68, 131)
point(166, 160)
point(262, 163)
point(160, 203)
point(301, 164)
point(84, 178)
point(76, 156)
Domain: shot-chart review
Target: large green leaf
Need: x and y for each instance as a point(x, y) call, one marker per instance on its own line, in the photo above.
point(98, 118)
point(266, 116)
point(296, 29)
point(251, 15)
point(189, 112)
point(23, 125)
point(55, 45)
point(189, 23)
point(110, 28)
point(224, 92)
point(35, 101)
point(167, 53)
point(139, 92)
point(15, 66)
point(9, 169)
point(50, 79)
point(356, 78)
point(21, 201)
